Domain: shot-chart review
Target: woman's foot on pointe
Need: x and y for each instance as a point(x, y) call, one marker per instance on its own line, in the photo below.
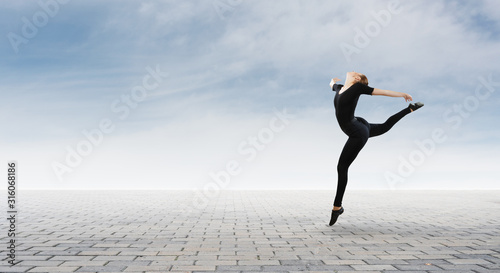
point(415, 106)
point(335, 215)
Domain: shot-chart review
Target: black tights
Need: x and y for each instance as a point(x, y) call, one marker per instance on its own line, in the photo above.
point(359, 130)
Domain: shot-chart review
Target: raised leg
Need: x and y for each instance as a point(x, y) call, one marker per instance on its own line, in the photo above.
point(381, 128)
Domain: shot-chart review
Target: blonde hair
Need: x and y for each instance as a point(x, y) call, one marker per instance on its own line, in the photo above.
point(363, 80)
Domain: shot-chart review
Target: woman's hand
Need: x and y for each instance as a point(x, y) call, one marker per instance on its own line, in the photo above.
point(407, 97)
point(333, 81)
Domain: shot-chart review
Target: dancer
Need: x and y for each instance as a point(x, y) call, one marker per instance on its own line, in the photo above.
point(357, 128)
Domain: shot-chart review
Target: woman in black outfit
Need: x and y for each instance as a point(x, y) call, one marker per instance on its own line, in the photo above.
point(358, 129)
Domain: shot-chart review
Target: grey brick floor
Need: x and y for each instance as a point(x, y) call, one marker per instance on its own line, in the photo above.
point(255, 231)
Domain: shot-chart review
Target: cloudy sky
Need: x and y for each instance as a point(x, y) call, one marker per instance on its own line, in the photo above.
point(192, 94)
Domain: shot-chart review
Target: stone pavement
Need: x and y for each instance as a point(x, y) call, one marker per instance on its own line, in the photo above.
point(255, 231)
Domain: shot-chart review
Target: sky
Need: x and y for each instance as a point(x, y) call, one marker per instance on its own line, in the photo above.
point(220, 94)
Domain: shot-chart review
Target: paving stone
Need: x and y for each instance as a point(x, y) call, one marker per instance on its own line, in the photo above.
point(215, 262)
point(373, 267)
point(468, 261)
point(142, 268)
point(193, 268)
point(41, 263)
point(344, 262)
point(259, 262)
point(417, 267)
point(84, 263)
point(101, 269)
point(15, 268)
point(53, 269)
point(224, 268)
point(301, 262)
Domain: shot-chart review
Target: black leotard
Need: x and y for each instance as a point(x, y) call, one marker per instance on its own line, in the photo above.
point(357, 128)
point(345, 104)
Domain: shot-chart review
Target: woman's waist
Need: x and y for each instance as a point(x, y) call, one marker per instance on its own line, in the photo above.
point(353, 125)
point(348, 122)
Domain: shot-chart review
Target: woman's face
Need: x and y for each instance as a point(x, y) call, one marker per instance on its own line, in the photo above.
point(354, 75)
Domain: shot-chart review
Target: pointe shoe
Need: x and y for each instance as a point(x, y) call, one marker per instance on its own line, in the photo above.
point(415, 106)
point(335, 215)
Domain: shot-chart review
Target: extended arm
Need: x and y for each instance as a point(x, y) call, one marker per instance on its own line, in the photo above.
point(390, 93)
